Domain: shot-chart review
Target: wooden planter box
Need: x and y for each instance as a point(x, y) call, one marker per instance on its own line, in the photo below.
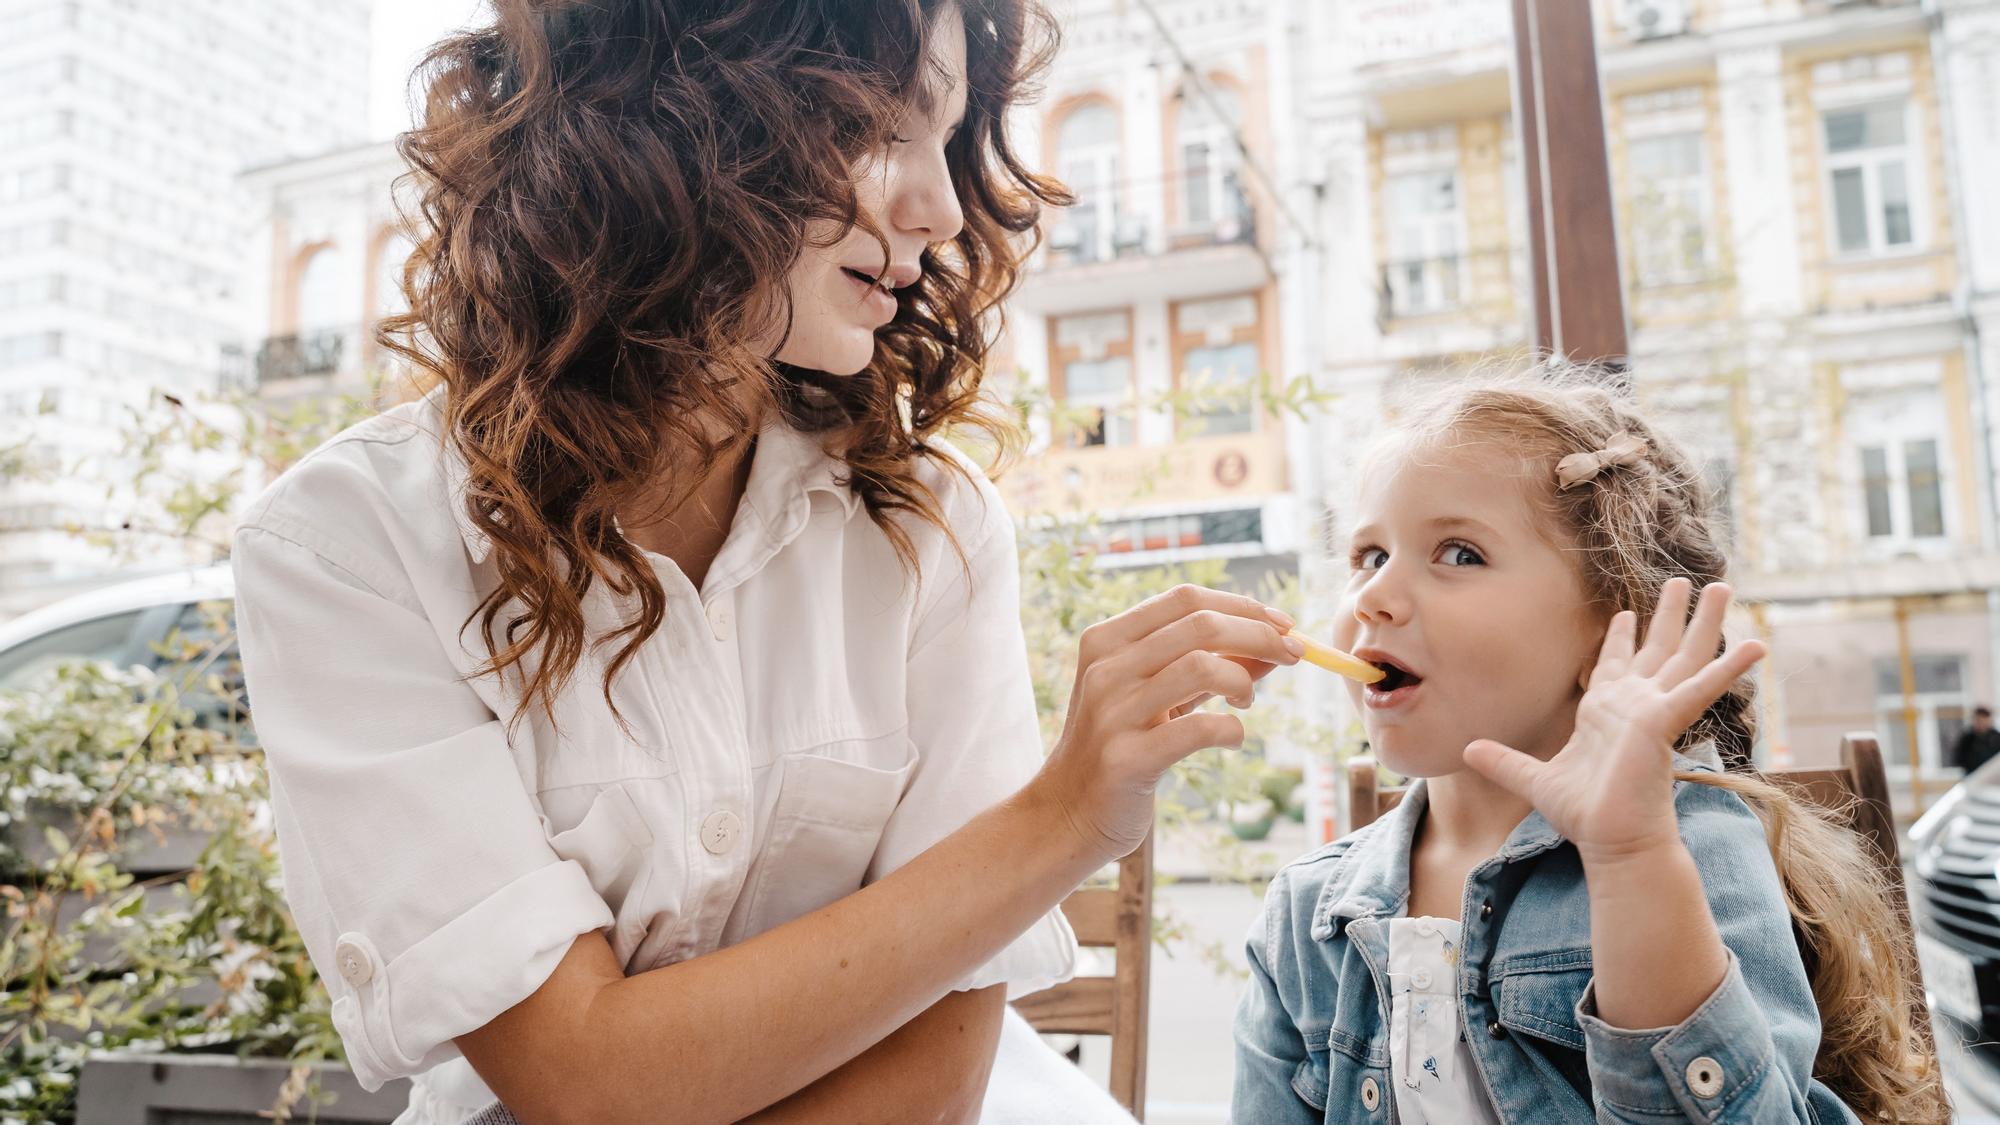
point(136, 1089)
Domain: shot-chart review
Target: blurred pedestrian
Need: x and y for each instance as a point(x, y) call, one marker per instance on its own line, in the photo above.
point(1979, 743)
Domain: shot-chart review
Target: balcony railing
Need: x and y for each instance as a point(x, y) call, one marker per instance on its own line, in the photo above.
point(1081, 234)
point(317, 351)
point(1413, 287)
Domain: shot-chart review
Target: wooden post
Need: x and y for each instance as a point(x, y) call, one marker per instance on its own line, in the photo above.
point(1577, 291)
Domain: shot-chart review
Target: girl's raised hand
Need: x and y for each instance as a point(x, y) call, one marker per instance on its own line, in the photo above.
point(1609, 790)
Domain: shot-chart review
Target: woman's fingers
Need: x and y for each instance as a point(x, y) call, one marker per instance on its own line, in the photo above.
point(1208, 630)
point(1112, 636)
point(1177, 738)
point(1663, 632)
point(1187, 680)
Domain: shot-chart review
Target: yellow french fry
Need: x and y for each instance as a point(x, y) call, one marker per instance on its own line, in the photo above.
point(1334, 660)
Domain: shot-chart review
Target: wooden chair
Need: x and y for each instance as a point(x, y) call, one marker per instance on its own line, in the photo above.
point(1120, 919)
point(1857, 789)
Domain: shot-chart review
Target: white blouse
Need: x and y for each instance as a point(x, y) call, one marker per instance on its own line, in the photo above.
point(806, 722)
point(1430, 1067)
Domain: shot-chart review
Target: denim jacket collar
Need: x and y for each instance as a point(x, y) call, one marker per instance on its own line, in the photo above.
point(1374, 876)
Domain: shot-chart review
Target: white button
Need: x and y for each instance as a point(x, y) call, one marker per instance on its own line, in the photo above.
point(1427, 927)
point(1371, 1094)
point(719, 831)
point(1421, 979)
point(356, 965)
point(718, 621)
point(1705, 1077)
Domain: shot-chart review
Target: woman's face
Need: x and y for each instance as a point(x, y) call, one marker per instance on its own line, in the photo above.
point(838, 292)
point(1456, 582)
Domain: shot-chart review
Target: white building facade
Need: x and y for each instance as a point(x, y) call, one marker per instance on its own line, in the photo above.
point(123, 127)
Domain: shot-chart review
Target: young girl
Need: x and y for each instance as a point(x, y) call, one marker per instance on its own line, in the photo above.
point(1576, 914)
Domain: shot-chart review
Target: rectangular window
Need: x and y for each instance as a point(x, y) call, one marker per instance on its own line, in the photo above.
point(1868, 171)
point(1425, 246)
point(1920, 464)
point(1226, 379)
point(1102, 388)
point(1943, 709)
point(1669, 208)
point(1902, 488)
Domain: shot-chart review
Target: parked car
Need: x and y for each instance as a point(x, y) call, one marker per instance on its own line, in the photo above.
point(1955, 898)
point(127, 623)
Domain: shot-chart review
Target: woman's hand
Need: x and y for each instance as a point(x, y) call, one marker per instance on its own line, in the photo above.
point(1609, 790)
point(1133, 712)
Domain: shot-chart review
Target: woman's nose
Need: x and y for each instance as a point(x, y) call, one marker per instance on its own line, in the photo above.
point(923, 200)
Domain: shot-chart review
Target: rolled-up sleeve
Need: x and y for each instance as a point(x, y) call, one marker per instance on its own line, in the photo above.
point(414, 862)
point(973, 723)
point(1746, 1053)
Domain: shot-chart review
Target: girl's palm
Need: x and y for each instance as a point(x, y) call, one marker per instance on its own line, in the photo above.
point(1610, 789)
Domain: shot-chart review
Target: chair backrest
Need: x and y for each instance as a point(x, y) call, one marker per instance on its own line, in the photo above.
point(1857, 790)
point(1120, 919)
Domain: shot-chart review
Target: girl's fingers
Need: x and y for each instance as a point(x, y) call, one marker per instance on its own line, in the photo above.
point(1703, 637)
point(1663, 632)
point(1506, 767)
point(1615, 654)
point(1155, 613)
point(1695, 693)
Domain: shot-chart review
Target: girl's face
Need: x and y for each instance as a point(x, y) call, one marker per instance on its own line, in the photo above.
point(1456, 582)
point(838, 292)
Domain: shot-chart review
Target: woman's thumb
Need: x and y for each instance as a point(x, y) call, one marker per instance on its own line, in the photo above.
point(1504, 766)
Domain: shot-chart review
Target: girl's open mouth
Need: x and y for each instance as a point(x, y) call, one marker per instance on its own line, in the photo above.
point(1395, 689)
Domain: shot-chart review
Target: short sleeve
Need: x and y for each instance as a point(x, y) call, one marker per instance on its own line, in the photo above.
point(414, 862)
point(973, 723)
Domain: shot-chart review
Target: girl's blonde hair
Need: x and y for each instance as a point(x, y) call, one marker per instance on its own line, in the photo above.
point(1630, 529)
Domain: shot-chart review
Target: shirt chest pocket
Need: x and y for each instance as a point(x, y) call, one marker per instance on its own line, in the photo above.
point(832, 806)
point(615, 838)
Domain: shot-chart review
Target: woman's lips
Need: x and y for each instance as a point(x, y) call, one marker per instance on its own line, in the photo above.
point(874, 298)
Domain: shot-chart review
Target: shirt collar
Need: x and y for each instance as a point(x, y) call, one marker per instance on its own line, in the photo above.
point(788, 466)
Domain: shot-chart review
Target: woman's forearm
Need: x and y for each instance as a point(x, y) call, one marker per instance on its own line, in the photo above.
point(932, 1070)
point(1655, 951)
point(721, 1036)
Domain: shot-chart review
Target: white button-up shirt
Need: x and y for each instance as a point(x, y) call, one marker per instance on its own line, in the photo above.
point(806, 722)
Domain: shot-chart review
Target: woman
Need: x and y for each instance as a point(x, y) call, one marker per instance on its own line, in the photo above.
point(732, 807)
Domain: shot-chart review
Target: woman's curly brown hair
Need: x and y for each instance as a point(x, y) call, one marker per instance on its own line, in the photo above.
point(609, 195)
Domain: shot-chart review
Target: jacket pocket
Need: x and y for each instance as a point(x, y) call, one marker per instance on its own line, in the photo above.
point(1539, 998)
point(825, 827)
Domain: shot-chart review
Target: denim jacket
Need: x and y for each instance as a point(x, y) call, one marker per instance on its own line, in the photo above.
point(1312, 1032)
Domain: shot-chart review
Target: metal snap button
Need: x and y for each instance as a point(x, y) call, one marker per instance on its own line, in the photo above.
point(1704, 1077)
point(1371, 1094)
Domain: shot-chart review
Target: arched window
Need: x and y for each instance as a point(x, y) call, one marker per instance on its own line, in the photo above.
point(319, 304)
point(1210, 163)
point(1087, 160)
point(389, 297)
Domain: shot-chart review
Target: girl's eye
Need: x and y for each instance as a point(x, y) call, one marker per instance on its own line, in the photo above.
point(1458, 554)
point(1369, 558)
